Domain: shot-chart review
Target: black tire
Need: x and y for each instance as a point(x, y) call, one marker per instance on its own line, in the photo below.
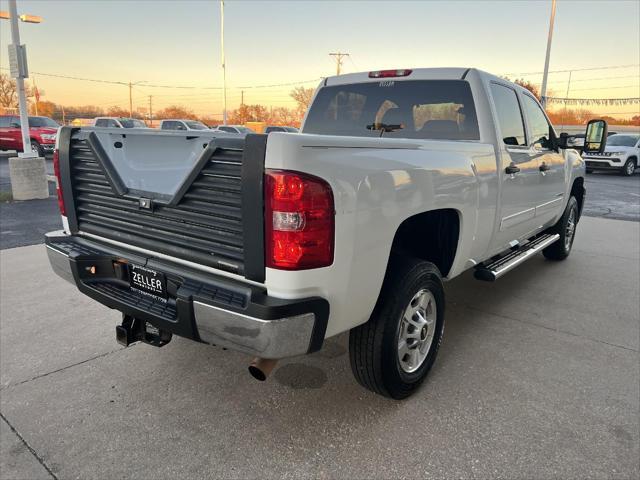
point(373, 346)
point(36, 147)
point(561, 249)
point(589, 170)
point(629, 167)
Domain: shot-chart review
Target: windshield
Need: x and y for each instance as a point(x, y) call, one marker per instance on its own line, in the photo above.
point(622, 140)
point(196, 125)
point(290, 129)
point(244, 130)
point(132, 123)
point(423, 109)
point(42, 122)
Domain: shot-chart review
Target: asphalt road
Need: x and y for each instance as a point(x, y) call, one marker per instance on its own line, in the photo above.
point(611, 195)
point(537, 377)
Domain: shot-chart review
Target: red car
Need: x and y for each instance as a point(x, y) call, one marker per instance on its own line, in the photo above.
point(42, 131)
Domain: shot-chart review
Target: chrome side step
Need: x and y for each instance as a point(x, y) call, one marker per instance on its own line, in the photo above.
point(490, 272)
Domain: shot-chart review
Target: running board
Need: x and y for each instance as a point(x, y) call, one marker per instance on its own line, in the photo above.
point(490, 272)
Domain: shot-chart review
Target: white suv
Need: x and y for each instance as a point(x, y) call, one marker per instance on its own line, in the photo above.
point(179, 124)
point(621, 153)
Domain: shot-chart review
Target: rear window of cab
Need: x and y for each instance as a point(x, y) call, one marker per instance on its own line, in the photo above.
point(416, 109)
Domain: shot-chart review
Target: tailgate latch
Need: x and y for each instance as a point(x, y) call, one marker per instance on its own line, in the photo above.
point(145, 203)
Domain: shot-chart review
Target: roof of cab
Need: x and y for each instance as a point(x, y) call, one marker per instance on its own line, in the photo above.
point(455, 73)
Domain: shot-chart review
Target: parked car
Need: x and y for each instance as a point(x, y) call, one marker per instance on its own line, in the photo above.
point(621, 153)
point(118, 122)
point(398, 181)
point(235, 129)
point(182, 125)
point(272, 128)
point(42, 131)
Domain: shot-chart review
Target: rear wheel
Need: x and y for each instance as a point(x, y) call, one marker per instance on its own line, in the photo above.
point(629, 167)
point(566, 228)
point(393, 352)
point(36, 147)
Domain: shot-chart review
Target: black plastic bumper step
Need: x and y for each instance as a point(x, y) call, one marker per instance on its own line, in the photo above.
point(490, 272)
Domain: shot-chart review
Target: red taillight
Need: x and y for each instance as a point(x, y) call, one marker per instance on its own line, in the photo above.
point(390, 73)
point(299, 221)
point(56, 172)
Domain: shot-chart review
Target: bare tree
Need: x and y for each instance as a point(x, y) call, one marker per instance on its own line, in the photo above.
point(9, 92)
point(303, 97)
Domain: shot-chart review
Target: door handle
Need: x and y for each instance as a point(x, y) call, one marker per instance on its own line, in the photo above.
point(512, 169)
point(544, 167)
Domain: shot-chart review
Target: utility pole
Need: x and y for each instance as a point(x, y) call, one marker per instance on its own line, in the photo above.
point(224, 68)
point(566, 96)
point(63, 122)
point(338, 56)
point(150, 111)
point(36, 94)
point(27, 171)
point(543, 90)
point(241, 97)
point(22, 98)
point(130, 100)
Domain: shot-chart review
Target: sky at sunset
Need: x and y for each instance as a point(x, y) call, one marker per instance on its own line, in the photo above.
point(177, 43)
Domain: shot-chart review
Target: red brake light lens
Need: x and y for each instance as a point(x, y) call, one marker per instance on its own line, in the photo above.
point(56, 172)
point(405, 72)
point(299, 221)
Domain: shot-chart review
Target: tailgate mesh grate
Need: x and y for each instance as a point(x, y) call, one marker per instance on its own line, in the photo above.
point(205, 226)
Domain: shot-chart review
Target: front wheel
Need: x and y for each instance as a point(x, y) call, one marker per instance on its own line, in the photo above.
point(393, 352)
point(629, 167)
point(566, 228)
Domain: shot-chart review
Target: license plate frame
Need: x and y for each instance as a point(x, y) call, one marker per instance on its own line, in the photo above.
point(147, 281)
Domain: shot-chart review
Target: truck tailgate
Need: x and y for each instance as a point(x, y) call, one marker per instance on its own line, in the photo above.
point(192, 197)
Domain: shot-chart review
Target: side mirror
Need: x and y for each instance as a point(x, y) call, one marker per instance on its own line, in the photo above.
point(595, 137)
point(15, 125)
point(563, 141)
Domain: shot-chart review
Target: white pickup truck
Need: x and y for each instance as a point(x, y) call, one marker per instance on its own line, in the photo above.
point(399, 180)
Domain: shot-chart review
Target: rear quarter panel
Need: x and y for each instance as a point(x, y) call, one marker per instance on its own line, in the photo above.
point(377, 184)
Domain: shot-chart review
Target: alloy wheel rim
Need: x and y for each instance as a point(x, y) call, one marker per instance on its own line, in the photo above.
point(630, 168)
point(417, 331)
point(570, 229)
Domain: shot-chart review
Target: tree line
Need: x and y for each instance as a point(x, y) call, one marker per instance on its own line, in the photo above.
point(245, 113)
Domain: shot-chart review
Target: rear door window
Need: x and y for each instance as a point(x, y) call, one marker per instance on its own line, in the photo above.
point(102, 123)
point(5, 122)
point(418, 109)
point(509, 115)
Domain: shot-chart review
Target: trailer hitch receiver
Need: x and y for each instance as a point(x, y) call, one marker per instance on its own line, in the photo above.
point(134, 330)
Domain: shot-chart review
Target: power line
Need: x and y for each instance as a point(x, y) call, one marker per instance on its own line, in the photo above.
point(152, 85)
point(575, 70)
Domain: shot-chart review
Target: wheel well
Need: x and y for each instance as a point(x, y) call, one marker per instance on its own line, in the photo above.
point(577, 190)
point(431, 236)
point(634, 158)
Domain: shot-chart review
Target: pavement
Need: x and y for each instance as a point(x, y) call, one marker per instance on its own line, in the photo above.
point(611, 195)
point(537, 377)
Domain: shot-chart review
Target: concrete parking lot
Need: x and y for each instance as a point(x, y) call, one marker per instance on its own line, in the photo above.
point(538, 377)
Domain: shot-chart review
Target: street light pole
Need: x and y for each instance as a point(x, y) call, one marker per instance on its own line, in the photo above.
point(543, 90)
point(224, 67)
point(22, 99)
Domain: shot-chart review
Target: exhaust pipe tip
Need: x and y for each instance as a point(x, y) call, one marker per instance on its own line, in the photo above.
point(260, 368)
